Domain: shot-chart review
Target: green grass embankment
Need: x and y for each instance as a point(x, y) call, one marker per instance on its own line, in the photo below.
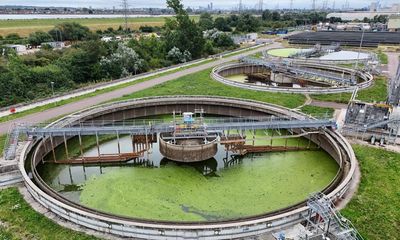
point(201, 83)
point(19, 221)
point(375, 210)
point(375, 93)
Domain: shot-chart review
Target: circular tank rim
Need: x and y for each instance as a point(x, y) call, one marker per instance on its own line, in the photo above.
point(43, 197)
point(367, 77)
point(317, 60)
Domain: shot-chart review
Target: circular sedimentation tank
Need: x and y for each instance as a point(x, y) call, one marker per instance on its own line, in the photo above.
point(152, 197)
point(338, 56)
point(291, 77)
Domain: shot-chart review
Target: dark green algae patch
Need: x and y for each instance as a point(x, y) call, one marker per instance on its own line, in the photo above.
point(258, 184)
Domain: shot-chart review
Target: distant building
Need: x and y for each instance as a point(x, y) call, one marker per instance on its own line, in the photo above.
point(250, 37)
point(394, 23)
point(106, 39)
point(352, 26)
point(17, 47)
point(54, 45)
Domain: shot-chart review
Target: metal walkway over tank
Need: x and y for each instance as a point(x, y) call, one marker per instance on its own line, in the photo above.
point(150, 127)
point(157, 126)
point(301, 70)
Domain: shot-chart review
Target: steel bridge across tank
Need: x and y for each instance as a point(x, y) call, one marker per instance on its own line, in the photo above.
point(301, 70)
point(153, 127)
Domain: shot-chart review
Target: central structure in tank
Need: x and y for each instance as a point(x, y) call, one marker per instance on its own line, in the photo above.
point(190, 141)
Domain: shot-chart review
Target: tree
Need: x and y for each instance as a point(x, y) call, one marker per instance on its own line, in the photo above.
point(146, 29)
point(151, 49)
point(222, 25)
point(209, 47)
point(123, 62)
point(247, 23)
point(183, 32)
point(69, 32)
point(206, 21)
point(232, 20)
point(82, 61)
point(13, 36)
point(266, 15)
point(276, 16)
point(176, 56)
point(223, 40)
point(39, 37)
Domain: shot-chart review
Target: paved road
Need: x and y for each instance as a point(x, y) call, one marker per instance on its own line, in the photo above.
point(85, 103)
point(393, 63)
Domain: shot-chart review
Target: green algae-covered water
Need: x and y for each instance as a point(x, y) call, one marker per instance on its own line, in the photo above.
point(225, 187)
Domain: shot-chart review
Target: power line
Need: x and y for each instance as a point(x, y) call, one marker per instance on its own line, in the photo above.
point(125, 7)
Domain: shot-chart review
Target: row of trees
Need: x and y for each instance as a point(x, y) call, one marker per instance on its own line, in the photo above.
point(247, 22)
point(89, 59)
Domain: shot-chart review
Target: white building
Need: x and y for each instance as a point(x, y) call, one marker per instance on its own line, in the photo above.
point(54, 45)
point(17, 47)
point(106, 39)
point(250, 37)
point(394, 23)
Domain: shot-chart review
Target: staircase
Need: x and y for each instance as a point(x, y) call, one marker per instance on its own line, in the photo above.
point(11, 144)
point(329, 221)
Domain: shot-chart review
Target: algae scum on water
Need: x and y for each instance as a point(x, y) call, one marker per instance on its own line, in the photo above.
point(261, 183)
point(216, 189)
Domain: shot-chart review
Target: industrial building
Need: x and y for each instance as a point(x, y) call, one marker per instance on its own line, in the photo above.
point(368, 39)
point(394, 23)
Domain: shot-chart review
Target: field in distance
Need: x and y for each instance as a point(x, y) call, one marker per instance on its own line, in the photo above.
point(26, 26)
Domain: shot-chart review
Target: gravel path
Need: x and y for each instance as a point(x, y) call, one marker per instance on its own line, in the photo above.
point(328, 104)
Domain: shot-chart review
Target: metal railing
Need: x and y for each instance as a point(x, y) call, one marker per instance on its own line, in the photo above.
point(333, 222)
point(147, 126)
point(367, 80)
point(299, 70)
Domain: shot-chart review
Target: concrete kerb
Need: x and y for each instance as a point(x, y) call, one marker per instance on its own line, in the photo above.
point(153, 230)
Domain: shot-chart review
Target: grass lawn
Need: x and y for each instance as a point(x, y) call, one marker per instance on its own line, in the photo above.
point(201, 83)
point(26, 26)
point(383, 58)
point(375, 210)
point(22, 222)
point(318, 111)
point(2, 142)
point(376, 93)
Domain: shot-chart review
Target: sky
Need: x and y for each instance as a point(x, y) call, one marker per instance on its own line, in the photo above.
point(227, 4)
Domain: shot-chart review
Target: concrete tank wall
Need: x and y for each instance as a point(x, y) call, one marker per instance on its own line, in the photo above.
point(188, 153)
point(221, 72)
point(330, 141)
